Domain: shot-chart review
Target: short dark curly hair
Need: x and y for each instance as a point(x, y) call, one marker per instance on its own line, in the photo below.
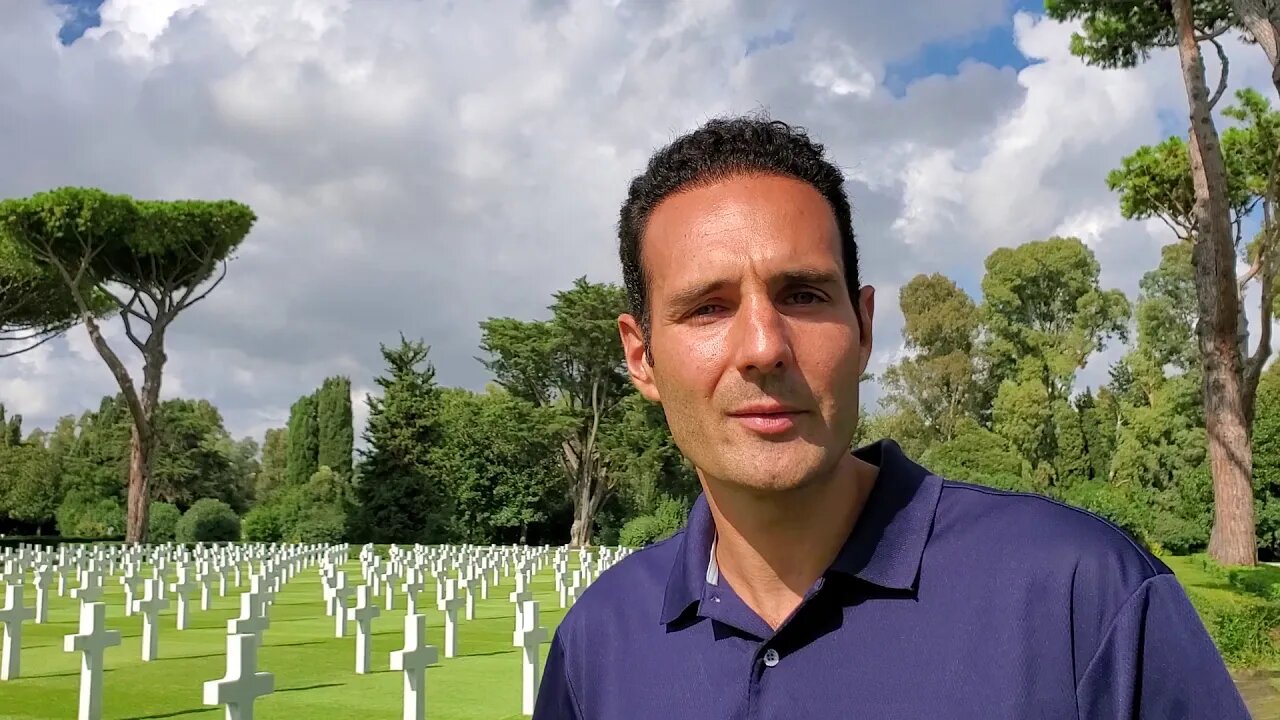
point(720, 149)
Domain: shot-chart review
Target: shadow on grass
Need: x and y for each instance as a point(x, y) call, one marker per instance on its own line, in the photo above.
point(298, 644)
point(486, 654)
point(277, 621)
point(61, 674)
point(175, 713)
point(310, 687)
point(196, 657)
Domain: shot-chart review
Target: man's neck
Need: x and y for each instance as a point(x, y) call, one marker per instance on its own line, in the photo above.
point(772, 547)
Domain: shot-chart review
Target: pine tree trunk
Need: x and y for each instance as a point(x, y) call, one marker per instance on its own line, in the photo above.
point(584, 516)
point(1232, 540)
point(139, 487)
point(1262, 19)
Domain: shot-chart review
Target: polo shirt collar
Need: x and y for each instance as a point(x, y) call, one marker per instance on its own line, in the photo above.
point(884, 549)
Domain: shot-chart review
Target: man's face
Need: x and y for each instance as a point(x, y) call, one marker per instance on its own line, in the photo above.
point(757, 349)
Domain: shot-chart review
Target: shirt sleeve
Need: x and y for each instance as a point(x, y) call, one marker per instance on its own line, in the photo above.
point(1158, 661)
point(555, 696)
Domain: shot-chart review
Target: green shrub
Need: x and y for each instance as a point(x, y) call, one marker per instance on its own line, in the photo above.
point(640, 531)
point(209, 520)
point(980, 456)
point(1120, 504)
point(84, 515)
point(1240, 625)
point(162, 522)
point(1260, 580)
point(262, 524)
point(319, 527)
point(666, 520)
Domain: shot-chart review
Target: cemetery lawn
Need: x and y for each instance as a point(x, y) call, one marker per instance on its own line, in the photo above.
point(314, 671)
point(1241, 610)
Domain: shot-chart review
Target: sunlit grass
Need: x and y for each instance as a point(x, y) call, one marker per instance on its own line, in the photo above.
point(314, 671)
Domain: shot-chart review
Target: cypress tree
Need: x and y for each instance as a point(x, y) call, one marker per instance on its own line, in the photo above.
point(337, 437)
point(304, 441)
point(399, 498)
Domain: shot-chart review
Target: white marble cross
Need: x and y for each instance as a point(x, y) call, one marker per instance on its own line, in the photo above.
point(253, 617)
point(413, 660)
point(242, 684)
point(519, 597)
point(389, 579)
point(131, 582)
point(449, 606)
point(363, 614)
point(42, 577)
point(575, 587)
point(562, 582)
point(341, 591)
point(183, 589)
point(90, 589)
point(468, 583)
point(150, 606)
point(530, 638)
point(205, 580)
point(412, 588)
point(13, 614)
point(63, 569)
point(92, 642)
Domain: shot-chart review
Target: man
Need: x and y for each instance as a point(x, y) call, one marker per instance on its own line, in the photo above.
point(815, 582)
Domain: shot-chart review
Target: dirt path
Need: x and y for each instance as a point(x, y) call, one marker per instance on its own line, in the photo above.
point(1260, 693)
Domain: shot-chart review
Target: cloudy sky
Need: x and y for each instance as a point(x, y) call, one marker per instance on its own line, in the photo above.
point(418, 166)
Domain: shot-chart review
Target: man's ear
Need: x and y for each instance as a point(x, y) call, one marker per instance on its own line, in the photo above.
point(636, 350)
point(866, 298)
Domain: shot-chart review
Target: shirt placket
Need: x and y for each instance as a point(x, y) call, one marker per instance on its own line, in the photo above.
point(767, 657)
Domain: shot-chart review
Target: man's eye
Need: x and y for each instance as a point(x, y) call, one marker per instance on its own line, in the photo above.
point(811, 295)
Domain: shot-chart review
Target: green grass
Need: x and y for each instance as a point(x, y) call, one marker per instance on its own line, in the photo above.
point(314, 671)
point(1239, 612)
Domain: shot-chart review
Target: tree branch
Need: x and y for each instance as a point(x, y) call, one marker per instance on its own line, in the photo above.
point(1222, 76)
point(29, 348)
point(141, 421)
point(183, 303)
point(128, 331)
point(1210, 35)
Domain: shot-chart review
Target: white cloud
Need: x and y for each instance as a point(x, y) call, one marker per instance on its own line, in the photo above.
point(419, 166)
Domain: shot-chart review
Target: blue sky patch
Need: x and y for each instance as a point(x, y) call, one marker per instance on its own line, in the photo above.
point(81, 15)
point(993, 46)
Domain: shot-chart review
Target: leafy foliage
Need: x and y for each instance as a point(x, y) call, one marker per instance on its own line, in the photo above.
point(304, 440)
point(82, 514)
point(333, 424)
point(208, 520)
point(163, 522)
point(399, 496)
point(498, 454)
point(573, 361)
point(1123, 34)
point(668, 518)
point(111, 254)
point(980, 456)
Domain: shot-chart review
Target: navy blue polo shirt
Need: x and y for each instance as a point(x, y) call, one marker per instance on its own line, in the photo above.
point(949, 600)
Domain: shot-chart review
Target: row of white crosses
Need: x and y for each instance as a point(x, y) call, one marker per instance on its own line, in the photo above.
point(237, 690)
point(93, 638)
point(243, 682)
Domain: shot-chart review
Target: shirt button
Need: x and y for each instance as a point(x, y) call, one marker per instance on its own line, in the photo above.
point(770, 657)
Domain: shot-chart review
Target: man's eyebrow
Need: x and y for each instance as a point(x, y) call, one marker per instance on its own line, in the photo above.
point(683, 298)
point(811, 276)
point(680, 299)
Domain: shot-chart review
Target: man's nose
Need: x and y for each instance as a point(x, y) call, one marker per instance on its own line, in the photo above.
point(762, 342)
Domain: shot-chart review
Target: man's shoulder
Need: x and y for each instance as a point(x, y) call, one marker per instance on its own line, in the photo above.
point(1039, 532)
point(633, 586)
